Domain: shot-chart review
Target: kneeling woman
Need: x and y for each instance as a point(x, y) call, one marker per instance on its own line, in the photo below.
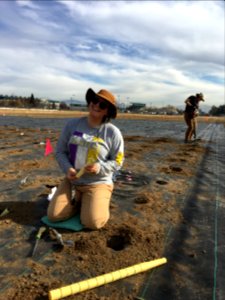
point(90, 149)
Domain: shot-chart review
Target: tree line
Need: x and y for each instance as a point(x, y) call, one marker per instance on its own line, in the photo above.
point(29, 102)
point(217, 111)
point(33, 102)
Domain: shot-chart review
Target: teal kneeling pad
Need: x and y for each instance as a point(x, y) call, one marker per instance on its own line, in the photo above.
point(71, 224)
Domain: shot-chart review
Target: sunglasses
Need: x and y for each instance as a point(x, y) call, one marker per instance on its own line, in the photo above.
point(101, 103)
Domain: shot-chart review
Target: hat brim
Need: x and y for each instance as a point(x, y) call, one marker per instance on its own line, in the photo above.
point(91, 94)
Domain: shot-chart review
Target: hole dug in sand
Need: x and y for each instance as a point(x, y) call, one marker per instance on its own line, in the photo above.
point(119, 241)
point(176, 168)
point(161, 182)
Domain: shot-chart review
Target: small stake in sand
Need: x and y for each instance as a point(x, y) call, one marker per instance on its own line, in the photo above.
point(82, 170)
point(104, 279)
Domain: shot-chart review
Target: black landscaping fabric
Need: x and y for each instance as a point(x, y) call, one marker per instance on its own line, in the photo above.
point(195, 250)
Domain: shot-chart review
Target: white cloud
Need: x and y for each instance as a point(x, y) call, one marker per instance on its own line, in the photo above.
point(148, 51)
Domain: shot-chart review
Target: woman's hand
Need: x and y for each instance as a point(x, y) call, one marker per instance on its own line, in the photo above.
point(93, 168)
point(71, 174)
point(90, 168)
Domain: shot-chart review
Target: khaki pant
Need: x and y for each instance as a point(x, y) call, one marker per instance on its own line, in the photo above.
point(191, 126)
point(94, 203)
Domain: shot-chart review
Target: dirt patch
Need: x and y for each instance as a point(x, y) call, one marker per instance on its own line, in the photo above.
point(157, 174)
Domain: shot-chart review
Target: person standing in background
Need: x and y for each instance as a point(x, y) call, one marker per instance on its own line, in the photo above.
point(190, 115)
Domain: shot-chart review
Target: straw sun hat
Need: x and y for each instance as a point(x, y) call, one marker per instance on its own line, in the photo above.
point(106, 95)
point(200, 96)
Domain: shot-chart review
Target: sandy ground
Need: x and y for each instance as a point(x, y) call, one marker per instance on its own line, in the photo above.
point(56, 113)
point(157, 176)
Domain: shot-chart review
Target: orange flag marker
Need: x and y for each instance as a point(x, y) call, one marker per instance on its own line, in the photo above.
point(48, 147)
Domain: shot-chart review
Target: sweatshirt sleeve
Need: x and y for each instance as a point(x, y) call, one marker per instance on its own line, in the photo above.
point(62, 149)
point(116, 154)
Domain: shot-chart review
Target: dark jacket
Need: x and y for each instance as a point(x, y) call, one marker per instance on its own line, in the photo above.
point(191, 109)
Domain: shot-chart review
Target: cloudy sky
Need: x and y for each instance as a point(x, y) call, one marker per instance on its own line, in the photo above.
point(155, 52)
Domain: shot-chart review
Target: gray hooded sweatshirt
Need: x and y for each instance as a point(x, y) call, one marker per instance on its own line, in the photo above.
point(79, 145)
